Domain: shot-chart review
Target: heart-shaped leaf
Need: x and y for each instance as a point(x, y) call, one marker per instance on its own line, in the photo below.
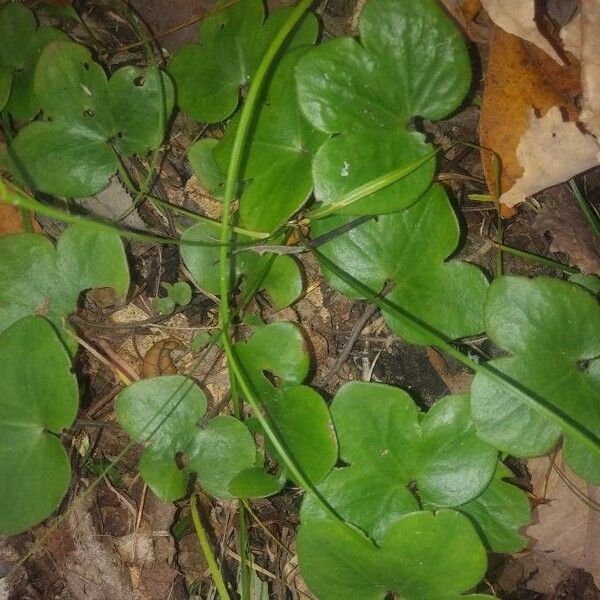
point(278, 275)
point(73, 154)
point(278, 161)
point(409, 249)
point(38, 278)
point(399, 459)
point(209, 75)
point(297, 413)
point(499, 512)
point(421, 556)
point(165, 412)
point(38, 399)
point(21, 43)
point(552, 330)
point(411, 61)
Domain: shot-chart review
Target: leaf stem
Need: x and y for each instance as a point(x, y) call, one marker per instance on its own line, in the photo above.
point(588, 212)
point(207, 550)
point(541, 260)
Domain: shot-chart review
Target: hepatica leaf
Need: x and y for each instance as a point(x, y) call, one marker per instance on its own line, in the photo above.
point(399, 459)
point(298, 413)
point(165, 413)
point(210, 74)
point(552, 330)
point(279, 275)
point(278, 161)
point(38, 278)
point(411, 61)
point(499, 512)
point(91, 118)
point(38, 399)
point(421, 556)
point(409, 250)
point(21, 43)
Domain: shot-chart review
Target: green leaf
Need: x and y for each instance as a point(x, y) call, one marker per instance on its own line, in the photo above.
point(209, 75)
point(552, 330)
point(278, 275)
point(73, 154)
point(399, 459)
point(409, 250)
point(422, 556)
point(277, 352)
point(589, 282)
point(165, 412)
point(38, 278)
point(278, 161)
point(38, 399)
point(411, 61)
point(204, 165)
point(20, 47)
point(255, 483)
point(181, 293)
point(499, 512)
point(164, 306)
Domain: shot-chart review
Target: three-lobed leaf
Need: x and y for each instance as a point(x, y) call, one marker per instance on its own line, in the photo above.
point(38, 399)
point(409, 250)
point(398, 459)
point(165, 412)
point(91, 119)
point(210, 74)
point(421, 556)
point(552, 330)
point(411, 62)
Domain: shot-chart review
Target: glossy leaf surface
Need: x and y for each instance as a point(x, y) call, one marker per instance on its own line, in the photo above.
point(73, 154)
point(409, 250)
point(399, 459)
point(413, 559)
point(552, 330)
point(165, 412)
point(298, 413)
point(411, 61)
point(210, 74)
point(38, 399)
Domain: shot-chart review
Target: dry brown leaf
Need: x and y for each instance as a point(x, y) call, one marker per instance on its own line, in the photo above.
point(11, 220)
point(551, 151)
point(571, 233)
point(518, 17)
point(519, 77)
point(590, 65)
point(565, 527)
point(158, 360)
point(464, 13)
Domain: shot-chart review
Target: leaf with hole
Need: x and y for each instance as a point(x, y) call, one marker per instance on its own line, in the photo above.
point(278, 275)
point(278, 160)
point(21, 43)
point(276, 360)
point(499, 512)
point(551, 329)
point(91, 119)
point(39, 278)
point(165, 412)
point(409, 251)
point(38, 399)
point(210, 75)
point(399, 459)
point(411, 62)
point(421, 556)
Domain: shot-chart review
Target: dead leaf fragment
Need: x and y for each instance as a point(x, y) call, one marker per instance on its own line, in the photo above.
point(590, 65)
point(519, 77)
point(11, 220)
point(518, 17)
point(464, 13)
point(158, 360)
point(551, 151)
point(571, 233)
point(566, 527)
